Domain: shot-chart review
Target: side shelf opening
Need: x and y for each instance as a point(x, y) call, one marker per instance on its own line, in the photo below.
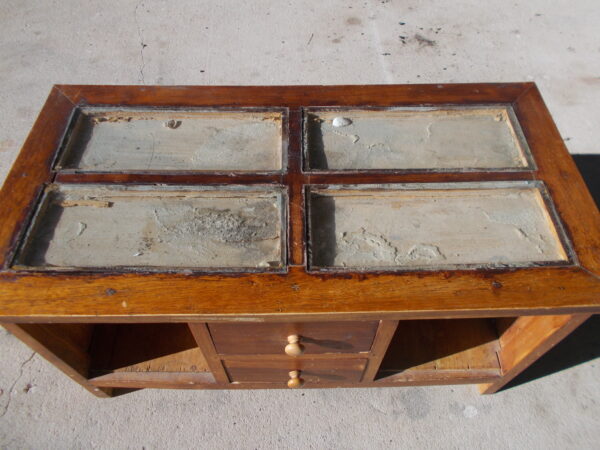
point(446, 351)
point(146, 355)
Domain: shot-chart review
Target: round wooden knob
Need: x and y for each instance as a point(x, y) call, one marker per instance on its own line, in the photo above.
point(294, 348)
point(295, 381)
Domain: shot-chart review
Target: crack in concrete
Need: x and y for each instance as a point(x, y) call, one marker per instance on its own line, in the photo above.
point(153, 151)
point(142, 44)
point(12, 387)
point(378, 43)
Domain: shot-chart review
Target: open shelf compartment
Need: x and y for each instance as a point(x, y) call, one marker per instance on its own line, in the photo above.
point(445, 351)
point(137, 355)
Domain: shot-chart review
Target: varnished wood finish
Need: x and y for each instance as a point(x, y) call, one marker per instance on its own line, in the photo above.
point(131, 297)
point(272, 338)
point(182, 381)
point(527, 340)
point(55, 346)
point(160, 352)
point(385, 333)
point(312, 371)
point(207, 347)
point(158, 380)
point(166, 347)
point(297, 244)
point(31, 169)
point(155, 380)
point(442, 349)
point(556, 290)
point(295, 96)
point(284, 357)
point(573, 201)
point(378, 176)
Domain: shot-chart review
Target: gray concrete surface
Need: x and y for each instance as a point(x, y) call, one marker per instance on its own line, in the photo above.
point(557, 44)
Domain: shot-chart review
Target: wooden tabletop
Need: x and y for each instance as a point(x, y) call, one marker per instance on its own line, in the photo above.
point(147, 296)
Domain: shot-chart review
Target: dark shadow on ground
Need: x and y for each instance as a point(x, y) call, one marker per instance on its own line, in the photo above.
point(589, 166)
point(583, 344)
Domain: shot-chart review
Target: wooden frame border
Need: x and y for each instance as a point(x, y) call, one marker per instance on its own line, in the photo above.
point(120, 297)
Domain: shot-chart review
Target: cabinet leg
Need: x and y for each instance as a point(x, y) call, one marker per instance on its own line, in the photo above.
point(526, 340)
point(65, 346)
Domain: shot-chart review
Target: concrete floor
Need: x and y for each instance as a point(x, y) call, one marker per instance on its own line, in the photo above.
point(557, 44)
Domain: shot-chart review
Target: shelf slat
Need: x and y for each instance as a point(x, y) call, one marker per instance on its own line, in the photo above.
point(161, 380)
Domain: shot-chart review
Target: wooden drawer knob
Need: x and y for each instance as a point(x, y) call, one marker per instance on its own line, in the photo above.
point(295, 381)
point(294, 348)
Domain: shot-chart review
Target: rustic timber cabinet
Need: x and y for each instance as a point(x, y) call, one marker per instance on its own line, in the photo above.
point(295, 236)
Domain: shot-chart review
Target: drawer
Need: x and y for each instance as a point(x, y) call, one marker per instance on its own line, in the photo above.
point(323, 371)
point(272, 338)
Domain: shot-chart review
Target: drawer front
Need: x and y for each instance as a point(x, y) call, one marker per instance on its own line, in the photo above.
point(271, 338)
point(322, 371)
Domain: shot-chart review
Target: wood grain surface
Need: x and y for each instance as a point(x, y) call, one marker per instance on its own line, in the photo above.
point(132, 297)
point(321, 371)
point(271, 338)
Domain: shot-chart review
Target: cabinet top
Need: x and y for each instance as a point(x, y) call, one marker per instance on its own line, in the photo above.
point(145, 203)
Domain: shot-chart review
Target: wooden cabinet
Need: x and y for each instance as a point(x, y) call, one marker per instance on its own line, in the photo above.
point(308, 236)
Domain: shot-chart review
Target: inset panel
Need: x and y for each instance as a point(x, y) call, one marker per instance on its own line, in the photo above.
point(110, 140)
point(432, 226)
point(101, 226)
point(440, 139)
